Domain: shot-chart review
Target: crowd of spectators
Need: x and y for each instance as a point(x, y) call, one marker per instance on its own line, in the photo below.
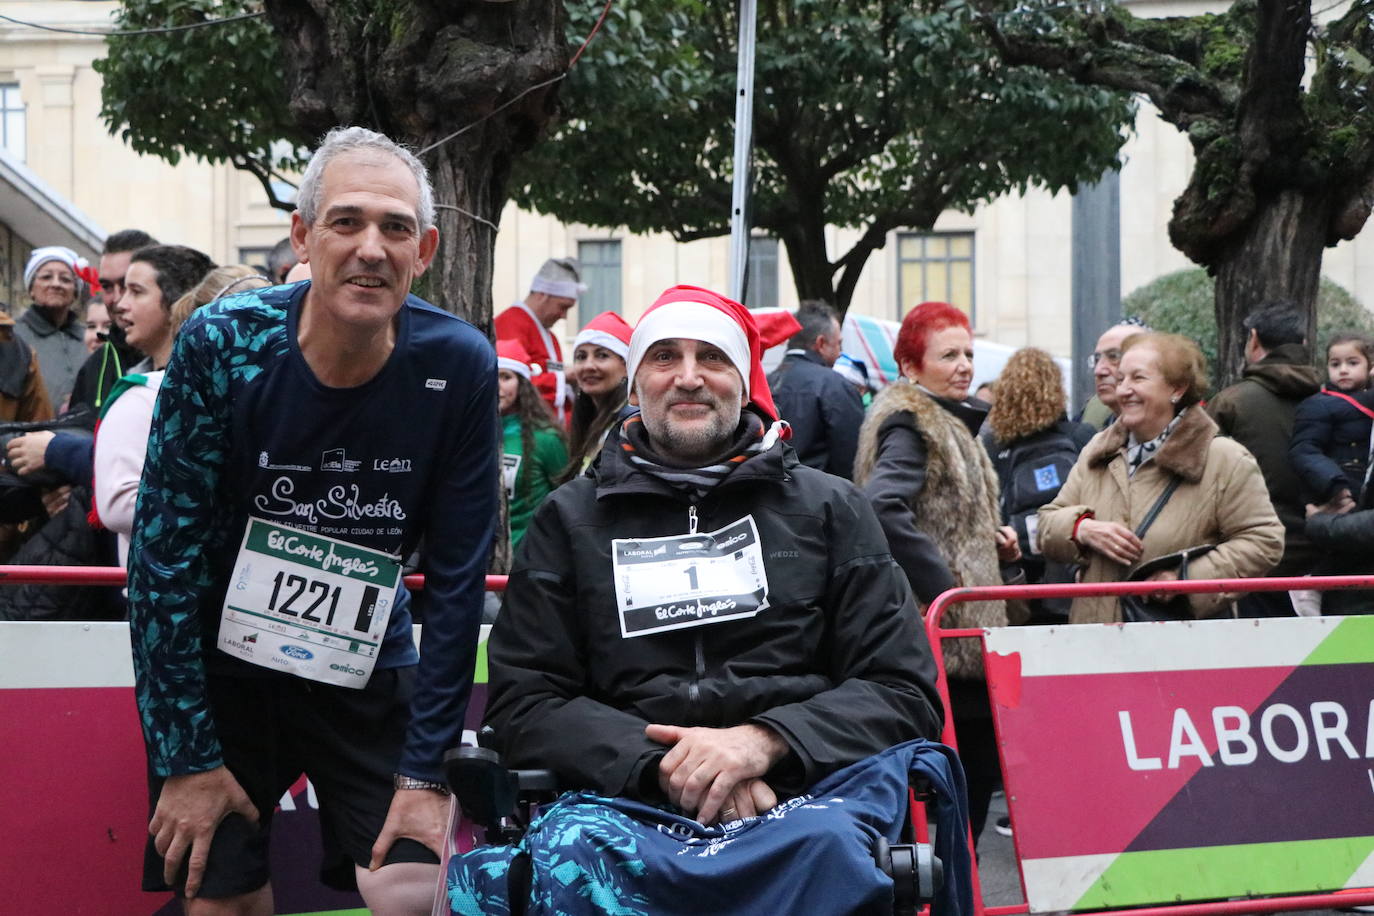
point(995, 486)
point(1154, 480)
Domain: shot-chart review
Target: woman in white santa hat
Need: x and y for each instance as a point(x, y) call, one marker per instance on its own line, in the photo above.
point(598, 370)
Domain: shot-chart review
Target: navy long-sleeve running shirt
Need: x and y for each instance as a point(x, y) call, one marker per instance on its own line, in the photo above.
point(242, 429)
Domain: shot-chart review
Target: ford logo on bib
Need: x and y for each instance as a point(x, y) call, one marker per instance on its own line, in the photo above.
point(297, 652)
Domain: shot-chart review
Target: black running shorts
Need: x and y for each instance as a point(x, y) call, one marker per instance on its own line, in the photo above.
point(273, 729)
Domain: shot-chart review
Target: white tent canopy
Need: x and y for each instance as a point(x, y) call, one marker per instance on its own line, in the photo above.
point(871, 340)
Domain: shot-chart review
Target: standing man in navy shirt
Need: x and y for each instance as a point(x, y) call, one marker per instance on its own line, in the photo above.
point(306, 438)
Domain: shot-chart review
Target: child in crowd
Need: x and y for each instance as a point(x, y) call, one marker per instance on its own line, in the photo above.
point(1330, 445)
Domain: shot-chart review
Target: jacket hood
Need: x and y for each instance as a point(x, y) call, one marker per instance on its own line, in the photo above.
point(1285, 371)
point(1184, 453)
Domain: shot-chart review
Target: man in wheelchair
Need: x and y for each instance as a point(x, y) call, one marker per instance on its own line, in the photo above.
point(696, 630)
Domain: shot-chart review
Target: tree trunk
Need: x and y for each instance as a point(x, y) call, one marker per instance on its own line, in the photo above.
point(1279, 257)
point(477, 78)
point(477, 81)
point(812, 271)
point(469, 193)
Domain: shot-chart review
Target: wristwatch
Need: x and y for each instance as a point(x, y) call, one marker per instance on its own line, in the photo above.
point(410, 782)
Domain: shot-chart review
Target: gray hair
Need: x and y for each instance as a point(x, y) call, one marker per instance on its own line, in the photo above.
point(816, 318)
point(343, 140)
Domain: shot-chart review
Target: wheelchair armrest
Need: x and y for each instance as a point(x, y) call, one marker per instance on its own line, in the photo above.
point(485, 789)
point(532, 784)
point(488, 792)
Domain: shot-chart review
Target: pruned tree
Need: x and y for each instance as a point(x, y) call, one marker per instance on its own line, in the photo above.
point(471, 84)
point(869, 114)
point(1284, 151)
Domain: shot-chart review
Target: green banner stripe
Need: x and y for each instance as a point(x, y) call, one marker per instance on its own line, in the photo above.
point(479, 675)
point(1350, 642)
point(1208, 872)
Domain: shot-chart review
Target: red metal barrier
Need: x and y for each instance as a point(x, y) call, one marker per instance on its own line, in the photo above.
point(114, 575)
point(935, 612)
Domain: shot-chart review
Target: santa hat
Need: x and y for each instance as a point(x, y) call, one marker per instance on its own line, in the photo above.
point(694, 313)
point(607, 330)
point(559, 277)
point(512, 355)
point(776, 327)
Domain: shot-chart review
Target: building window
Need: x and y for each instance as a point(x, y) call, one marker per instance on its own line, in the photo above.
point(12, 135)
point(762, 289)
point(255, 258)
point(935, 267)
point(601, 273)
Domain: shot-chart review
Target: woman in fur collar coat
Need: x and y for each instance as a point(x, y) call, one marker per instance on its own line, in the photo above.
point(1221, 498)
point(936, 495)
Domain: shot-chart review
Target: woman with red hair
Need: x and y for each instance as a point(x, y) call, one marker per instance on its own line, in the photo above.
point(936, 495)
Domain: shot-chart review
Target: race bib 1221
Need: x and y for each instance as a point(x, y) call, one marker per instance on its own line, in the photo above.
point(307, 604)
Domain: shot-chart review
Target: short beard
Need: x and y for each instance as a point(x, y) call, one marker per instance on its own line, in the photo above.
point(698, 447)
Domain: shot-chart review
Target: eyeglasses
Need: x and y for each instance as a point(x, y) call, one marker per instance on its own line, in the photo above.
point(1111, 356)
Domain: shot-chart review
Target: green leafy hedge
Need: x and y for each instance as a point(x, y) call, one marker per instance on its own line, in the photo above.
point(1182, 303)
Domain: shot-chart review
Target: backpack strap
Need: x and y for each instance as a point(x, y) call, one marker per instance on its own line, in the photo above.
point(1351, 401)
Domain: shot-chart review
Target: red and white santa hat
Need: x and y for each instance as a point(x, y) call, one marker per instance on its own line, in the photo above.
point(694, 313)
point(512, 355)
point(609, 331)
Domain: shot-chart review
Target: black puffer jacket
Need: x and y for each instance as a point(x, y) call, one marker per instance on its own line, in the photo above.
point(837, 662)
point(1347, 542)
point(66, 539)
point(1330, 445)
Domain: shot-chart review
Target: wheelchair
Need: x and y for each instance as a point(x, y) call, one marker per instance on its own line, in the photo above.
point(503, 802)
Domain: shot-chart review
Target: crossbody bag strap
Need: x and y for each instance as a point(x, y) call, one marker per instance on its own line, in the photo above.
point(1158, 507)
point(1351, 401)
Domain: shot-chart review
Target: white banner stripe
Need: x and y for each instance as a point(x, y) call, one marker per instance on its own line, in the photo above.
point(1149, 647)
point(1364, 875)
point(1059, 883)
point(65, 655)
point(57, 655)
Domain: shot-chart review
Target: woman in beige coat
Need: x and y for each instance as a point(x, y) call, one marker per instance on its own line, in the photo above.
point(1221, 498)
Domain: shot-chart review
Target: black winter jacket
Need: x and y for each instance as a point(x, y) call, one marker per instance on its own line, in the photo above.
point(1330, 445)
point(837, 662)
point(825, 412)
point(1347, 542)
point(1258, 413)
point(66, 539)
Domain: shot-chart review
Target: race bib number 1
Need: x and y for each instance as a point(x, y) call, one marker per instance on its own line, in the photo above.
point(690, 580)
point(309, 605)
